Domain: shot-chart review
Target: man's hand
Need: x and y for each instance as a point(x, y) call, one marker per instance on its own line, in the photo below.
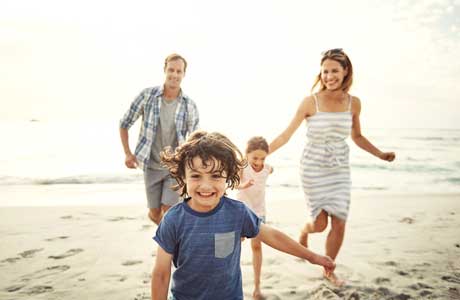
point(131, 161)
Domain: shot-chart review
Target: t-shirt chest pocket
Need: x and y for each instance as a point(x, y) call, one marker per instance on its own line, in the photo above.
point(224, 243)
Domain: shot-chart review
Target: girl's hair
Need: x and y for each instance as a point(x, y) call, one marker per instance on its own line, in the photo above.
point(257, 143)
point(339, 56)
point(213, 148)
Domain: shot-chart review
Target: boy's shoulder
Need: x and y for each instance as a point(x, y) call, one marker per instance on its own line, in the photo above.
point(232, 203)
point(175, 211)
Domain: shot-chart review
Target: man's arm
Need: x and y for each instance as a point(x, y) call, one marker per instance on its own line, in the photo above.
point(134, 112)
point(130, 159)
point(161, 275)
point(280, 241)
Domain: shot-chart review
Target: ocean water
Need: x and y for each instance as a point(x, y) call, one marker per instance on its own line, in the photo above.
point(64, 158)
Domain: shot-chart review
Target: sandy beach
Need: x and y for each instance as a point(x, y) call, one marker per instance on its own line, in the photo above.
point(396, 247)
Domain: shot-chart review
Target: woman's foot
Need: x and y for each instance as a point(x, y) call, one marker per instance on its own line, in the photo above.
point(334, 279)
point(257, 295)
point(303, 238)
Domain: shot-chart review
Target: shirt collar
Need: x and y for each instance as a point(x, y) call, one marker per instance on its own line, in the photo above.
point(180, 97)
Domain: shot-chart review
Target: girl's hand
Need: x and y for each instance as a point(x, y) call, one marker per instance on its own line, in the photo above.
point(388, 156)
point(247, 184)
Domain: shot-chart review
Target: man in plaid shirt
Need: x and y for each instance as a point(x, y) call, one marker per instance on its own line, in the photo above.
point(168, 117)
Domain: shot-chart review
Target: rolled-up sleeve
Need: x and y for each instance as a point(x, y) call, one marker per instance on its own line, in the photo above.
point(194, 118)
point(135, 111)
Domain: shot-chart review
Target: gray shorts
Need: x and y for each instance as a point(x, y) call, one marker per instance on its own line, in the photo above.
point(158, 185)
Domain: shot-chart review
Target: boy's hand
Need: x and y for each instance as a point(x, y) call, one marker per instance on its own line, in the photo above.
point(327, 263)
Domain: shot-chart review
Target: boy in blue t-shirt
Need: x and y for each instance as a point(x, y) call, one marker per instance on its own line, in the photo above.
point(202, 235)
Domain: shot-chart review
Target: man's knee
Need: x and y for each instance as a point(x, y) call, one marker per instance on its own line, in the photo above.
point(164, 208)
point(155, 215)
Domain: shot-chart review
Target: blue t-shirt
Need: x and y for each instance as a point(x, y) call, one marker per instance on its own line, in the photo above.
point(206, 248)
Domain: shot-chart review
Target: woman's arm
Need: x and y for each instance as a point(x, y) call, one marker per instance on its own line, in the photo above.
point(304, 110)
point(361, 141)
point(161, 274)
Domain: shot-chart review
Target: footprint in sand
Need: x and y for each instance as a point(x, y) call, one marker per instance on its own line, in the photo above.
point(118, 277)
point(407, 220)
point(71, 252)
point(29, 253)
point(381, 280)
point(425, 293)
point(402, 273)
point(39, 289)
point(116, 219)
point(10, 260)
point(131, 262)
point(450, 279)
point(14, 288)
point(146, 227)
point(49, 271)
point(390, 263)
point(25, 254)
point(142, 296)
point(57, 238)
point(419, 286)
point(454, 293)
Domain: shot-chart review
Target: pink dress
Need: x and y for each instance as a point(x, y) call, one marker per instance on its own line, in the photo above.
point(254, 196)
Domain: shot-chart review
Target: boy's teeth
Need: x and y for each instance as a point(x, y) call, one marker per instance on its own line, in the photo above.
point(205, 194)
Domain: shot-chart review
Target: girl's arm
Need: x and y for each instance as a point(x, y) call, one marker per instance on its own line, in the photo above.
point(360, 140)
point(161, 274)
point(244, 184)
point(280, 241)
point(305, 109)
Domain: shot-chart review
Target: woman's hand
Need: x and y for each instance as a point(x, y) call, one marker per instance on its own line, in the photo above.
point(388, 156)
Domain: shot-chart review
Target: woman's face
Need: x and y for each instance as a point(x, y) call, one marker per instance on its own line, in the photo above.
point(332, 74)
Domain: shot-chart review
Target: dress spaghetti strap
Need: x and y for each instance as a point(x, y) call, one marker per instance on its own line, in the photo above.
point(349, 102)
point(316, 102)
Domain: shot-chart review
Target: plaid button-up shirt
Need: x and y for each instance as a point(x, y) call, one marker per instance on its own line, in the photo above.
point(148, 105)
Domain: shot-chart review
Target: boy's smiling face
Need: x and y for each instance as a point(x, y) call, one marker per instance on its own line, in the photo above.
point(205, 184)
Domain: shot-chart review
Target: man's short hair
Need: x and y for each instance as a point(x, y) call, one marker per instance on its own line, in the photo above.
point(175, 56)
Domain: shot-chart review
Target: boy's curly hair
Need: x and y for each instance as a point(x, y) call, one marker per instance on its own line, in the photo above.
point(213, 148)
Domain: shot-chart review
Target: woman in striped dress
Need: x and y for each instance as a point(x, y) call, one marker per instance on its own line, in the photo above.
point(331, 115)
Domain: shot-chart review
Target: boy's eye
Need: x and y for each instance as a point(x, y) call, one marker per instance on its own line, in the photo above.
point(195, 176)
point(216, 175)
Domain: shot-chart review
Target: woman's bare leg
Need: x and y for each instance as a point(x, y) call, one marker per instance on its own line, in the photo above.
point(318, 225)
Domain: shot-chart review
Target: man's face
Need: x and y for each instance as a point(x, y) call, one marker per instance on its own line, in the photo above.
point(174, 72)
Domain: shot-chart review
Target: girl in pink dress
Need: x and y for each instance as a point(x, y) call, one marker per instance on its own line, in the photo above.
point(252, 192)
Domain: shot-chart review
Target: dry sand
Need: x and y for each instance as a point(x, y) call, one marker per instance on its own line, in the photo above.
point(396, 247)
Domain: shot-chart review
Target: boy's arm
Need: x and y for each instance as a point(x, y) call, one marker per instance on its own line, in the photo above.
point(161, 275)
point(280, 241)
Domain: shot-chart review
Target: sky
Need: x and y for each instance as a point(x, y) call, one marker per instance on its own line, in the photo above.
point(250, 62)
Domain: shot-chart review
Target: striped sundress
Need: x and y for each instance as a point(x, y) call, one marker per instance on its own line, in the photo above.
point(324, 166)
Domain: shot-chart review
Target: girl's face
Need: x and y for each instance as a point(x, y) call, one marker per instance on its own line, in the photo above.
point(205, 185)
point(256, 159)
point(332, 74)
